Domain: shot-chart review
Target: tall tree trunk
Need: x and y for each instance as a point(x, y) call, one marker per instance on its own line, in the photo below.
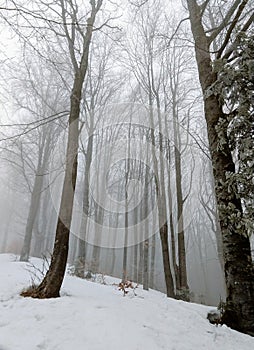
point(40, 228)
point(135, 248)
point(52, 282)
point(145, 214)
point(182, 270)
point(160, 192)
point(126, 223)
point(152, 261)
point(140, 263)
point(239, 271)
point(81, 255)
point(99, 217)
point(126, 214)
point(145, 210)
point(115, 217)
point(33, 210)
point(146, 264)
point(172, 236)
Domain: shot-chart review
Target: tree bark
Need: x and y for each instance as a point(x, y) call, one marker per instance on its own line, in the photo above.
point(160, 193)
point(238, 268)
point(172, 235)
point(52, 282)
point(152, 262)
point(166, 259)
point(140, 263)
point(182, 270)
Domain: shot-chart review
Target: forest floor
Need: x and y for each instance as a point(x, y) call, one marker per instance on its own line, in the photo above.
point(94, 316)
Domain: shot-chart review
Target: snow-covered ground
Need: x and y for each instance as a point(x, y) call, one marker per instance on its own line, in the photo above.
point(93, 316)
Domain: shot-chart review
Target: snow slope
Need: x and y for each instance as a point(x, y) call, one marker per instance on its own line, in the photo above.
point(92, 316)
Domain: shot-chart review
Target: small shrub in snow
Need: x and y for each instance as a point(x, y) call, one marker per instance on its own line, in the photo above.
point(36, 275)
point(127, 286)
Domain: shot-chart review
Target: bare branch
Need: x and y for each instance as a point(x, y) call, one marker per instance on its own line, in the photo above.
point(225, 21)
point(176, 30)
point(231, 28)
point(105, 24)
point(34, 15)
point(28, 130)
point(70, 39)
point(59, 114)
point(243, 30)
point(204, 6)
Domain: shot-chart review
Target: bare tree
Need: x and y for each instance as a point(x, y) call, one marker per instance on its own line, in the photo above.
point(51, 284)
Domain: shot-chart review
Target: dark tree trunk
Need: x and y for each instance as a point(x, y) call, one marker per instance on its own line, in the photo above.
point(135, 254)
point(52, 282)
point(165, 254)
point(182, 270)
point(140, 263)
point(160, 193)
point(125, 248)
point(172, 235)
point(145, 210)
point(152, 263)
point(145, 267)
point(239, 271)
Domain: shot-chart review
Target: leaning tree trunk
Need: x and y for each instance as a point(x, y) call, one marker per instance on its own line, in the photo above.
point(238, 268)
point(52, 282)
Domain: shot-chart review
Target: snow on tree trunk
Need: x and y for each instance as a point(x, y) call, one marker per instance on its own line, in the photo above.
point(239, 272)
